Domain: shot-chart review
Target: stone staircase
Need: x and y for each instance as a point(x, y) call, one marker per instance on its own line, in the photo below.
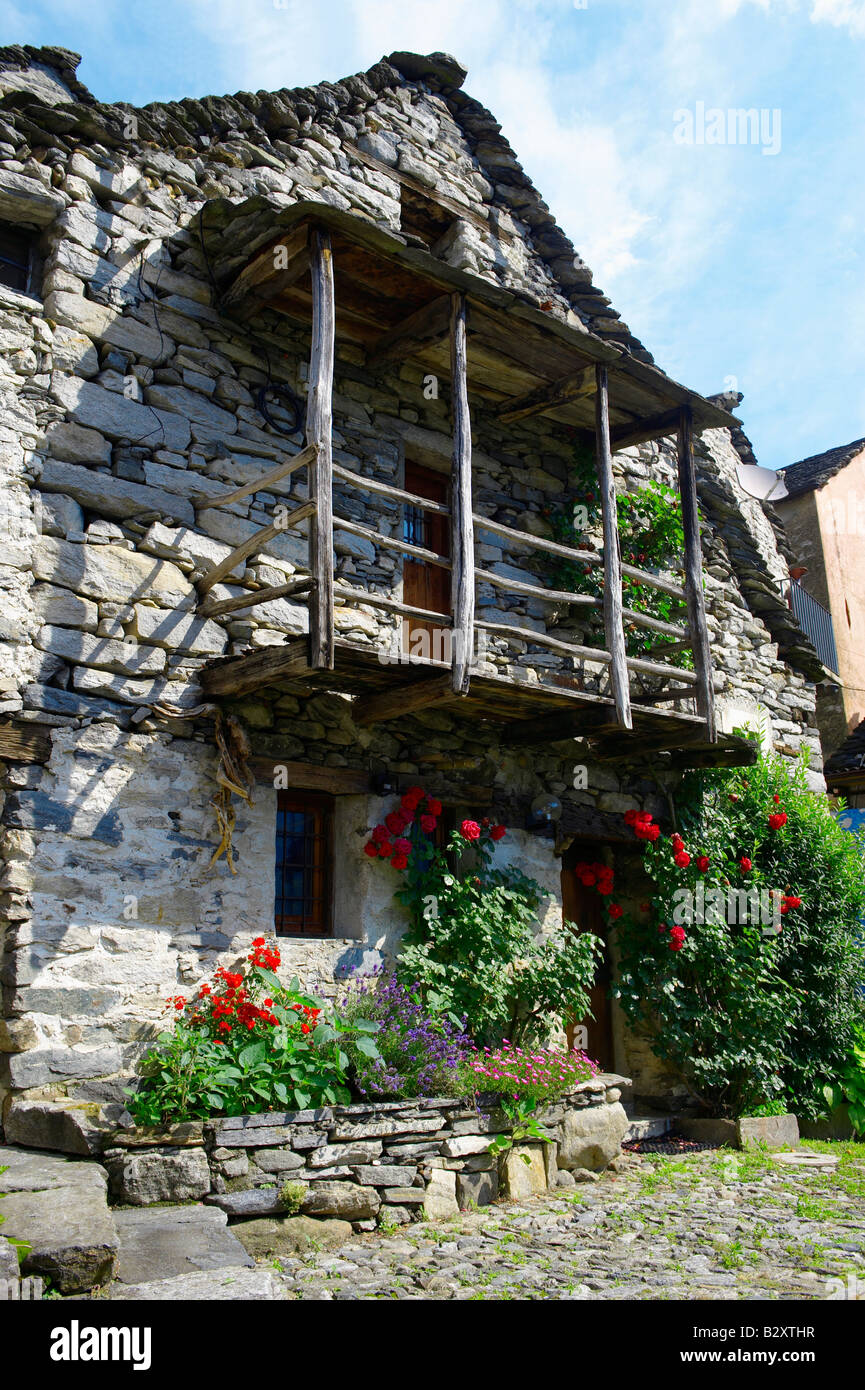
point(646, 1126)
point(59, 1207)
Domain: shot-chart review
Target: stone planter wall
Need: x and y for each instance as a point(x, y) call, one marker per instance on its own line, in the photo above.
point(362, 1163)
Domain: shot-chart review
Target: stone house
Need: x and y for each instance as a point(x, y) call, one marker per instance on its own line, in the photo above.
point(294, 384)
point(824, 520)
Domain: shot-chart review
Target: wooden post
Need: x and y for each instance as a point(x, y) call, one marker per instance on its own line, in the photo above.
point(694, 575)
point(462, 527)
point(615, 632)
point(319, 413)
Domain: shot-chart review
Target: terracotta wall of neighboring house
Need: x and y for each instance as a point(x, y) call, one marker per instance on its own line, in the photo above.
point(826, 530)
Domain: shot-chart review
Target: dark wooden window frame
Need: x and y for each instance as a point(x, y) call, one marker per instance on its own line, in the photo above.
point(316, 916)
point(16, 263)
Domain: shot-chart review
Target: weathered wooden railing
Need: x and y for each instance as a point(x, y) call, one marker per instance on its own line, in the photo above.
point(321, 590)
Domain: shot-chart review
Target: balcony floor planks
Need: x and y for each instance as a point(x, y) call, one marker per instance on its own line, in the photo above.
point(501, 699)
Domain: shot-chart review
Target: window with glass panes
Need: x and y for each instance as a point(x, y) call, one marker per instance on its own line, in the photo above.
point(304, 853)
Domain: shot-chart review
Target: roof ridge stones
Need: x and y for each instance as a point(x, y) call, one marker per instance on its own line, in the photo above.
point(815, 471)
point(188, 127)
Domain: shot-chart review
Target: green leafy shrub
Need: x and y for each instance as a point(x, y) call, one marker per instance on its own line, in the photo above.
point(750, 1009)
point(849, 1089)
point(473, 948)
point(248, 1043)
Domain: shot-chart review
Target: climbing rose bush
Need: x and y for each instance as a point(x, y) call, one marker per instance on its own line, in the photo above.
point(246, 1042)
point(746, 964)
point(474, 950)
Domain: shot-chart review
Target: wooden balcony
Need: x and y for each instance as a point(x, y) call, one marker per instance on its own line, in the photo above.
point(398, 302)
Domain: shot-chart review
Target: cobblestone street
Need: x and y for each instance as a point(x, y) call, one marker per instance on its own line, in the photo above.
point(712, 1225)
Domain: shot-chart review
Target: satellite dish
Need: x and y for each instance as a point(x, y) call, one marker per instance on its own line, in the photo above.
point(763, 483)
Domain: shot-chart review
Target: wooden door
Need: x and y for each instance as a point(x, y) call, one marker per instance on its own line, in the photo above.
point(424, 585)
point(584, 907)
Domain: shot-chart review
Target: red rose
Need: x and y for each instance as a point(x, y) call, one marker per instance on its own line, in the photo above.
point(379, 833)
point(615, 911)
point(677, 842)
point(434, 808)
point(778, 819)
point(396, 822)
point(650, 832)
point(399, 861)
point(745, 864)
point(470, 830)
point(683, 859)
point(371, 849)
point(631, 817)
point(776, 798)
point(644, 818)
point(498, 832)
point(677, 938)
point(385, 850)
point(402, 846)
point(428, 824)
point(785, 907)
point(703, 863)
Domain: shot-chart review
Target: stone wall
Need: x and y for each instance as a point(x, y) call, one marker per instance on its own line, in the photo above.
point(390, 1161)
point(124, 393)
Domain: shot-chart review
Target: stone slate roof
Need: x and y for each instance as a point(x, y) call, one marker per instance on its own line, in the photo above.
point(190, 127)
point(813, 472)
point(850, 757)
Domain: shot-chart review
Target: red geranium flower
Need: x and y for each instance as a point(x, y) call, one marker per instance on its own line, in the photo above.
point(470, 830)
point(776, 798)
point(778, 819)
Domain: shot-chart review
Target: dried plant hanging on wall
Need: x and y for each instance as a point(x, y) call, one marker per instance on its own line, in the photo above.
point(232, 771)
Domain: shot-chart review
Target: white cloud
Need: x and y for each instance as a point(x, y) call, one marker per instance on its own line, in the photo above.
point(848, 14)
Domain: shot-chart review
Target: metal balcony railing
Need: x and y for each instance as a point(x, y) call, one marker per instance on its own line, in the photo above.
point(816, 622)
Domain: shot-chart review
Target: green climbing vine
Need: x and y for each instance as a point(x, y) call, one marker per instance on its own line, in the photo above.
point(650, 530)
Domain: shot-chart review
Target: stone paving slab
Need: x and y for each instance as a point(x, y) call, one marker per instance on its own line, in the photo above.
point(59, 1208)
point(225, 1285)
point(165, 1242)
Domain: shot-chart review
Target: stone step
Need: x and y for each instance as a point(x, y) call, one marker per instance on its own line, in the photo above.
point(236, 1283)
point(647, 1127)
point(157, 1243)
point(59, 1207)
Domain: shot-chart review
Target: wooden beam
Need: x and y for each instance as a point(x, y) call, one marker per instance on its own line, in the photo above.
point(694, 574)
point(462, 531)
point(212, 609)
point(379, 601)
point(268, 274)
point(542, 639)
point(396, 494)
point(615, 635)
point(641, 433)
point(241, 674)
point(254, 543)
point(556, 728)
point(282, 470)
point(568, 552)
point(730, 751)
point(319, 414)
point(424, 326)
point(420, 552)
point(557, 393)
point(24, 745)
point(310, 777)
point(402, 699)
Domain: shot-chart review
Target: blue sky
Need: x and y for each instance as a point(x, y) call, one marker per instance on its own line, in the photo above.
point(738, 269)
